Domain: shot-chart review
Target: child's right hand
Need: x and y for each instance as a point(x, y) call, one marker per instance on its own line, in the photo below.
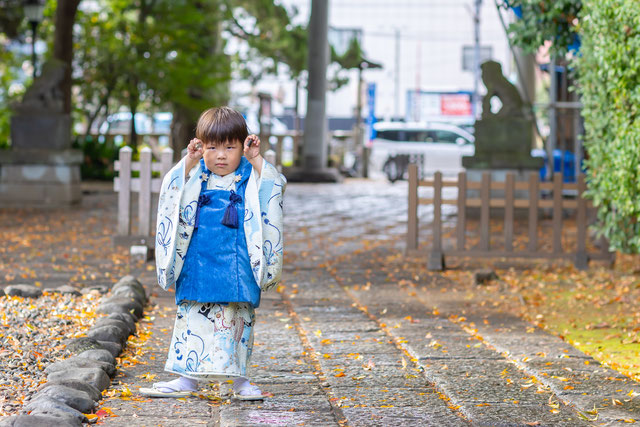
point(195, 149)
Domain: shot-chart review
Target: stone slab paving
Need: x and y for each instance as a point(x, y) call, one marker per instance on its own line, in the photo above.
point(476, 378)
point(383, 354)
point(369, 382)
point(493, 361)
point(574, 378)
point(278, 365)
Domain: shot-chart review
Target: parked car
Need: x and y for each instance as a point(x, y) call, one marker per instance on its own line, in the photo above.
point(433, 146)
point(120, 124)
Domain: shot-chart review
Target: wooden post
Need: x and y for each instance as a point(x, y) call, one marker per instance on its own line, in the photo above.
point(581, 261)
point(509, 194)
point(611, 256)
point(557, 213)
point(166, 161)
point(436, 257)
point(279, 150)
point(412, 219)
point(534, 194)
point(270, 156)
point(485, 198)
point(265, 144)
point(144, 196)
point(124, 191)
point(462, 209)
point(297, 149)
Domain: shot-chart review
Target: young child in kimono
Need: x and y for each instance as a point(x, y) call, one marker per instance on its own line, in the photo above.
point(219, 242)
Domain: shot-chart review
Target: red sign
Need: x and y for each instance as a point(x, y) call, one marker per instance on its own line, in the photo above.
point(455, 105)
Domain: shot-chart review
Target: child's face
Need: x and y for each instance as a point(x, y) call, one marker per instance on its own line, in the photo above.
point(222, 159)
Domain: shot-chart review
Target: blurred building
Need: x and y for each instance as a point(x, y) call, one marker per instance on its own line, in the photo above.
point(425, 47)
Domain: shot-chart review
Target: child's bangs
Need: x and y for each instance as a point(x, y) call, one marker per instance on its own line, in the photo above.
point(219, 133)
point(219, 125)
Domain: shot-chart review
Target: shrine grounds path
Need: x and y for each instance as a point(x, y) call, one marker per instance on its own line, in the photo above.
point(359, 335)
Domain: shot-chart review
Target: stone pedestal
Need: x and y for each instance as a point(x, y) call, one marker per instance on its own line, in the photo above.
point(40, 177)
point(503, 144)
point(41, 170)
point(40, 130)
point(312, 175)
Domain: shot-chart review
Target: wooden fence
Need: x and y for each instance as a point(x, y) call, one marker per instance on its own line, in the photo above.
point(145, 184)
point(508, 202)
point(278, 146)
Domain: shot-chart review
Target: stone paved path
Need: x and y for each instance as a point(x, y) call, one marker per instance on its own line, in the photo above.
point(346, 342)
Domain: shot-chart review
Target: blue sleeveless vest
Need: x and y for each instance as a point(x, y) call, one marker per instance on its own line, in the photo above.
point(217, 266)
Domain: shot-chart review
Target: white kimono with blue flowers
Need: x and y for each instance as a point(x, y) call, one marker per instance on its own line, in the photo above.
point(214, 341)
point(262, 225)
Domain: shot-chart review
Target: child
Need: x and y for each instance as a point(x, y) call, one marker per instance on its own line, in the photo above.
point(219, 242)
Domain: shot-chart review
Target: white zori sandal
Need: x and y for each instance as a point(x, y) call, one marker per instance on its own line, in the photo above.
point(244, 390)
point(180, 387)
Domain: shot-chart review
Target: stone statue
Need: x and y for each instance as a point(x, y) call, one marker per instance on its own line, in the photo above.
point(503, 139)
point(41, 169)
point(45, 93)
point(39, 121)
point(498, 85)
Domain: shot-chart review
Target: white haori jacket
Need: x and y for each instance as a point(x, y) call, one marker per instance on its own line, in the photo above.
point(262, 223)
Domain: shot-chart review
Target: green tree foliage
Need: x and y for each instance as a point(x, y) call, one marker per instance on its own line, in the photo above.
point(609, 77)
point(274, 41)
point(10, 89)
point(169, 54)
point(544, 20)
point(270, 34)
point(151, 53)
point(11, 17)
point(12, 29)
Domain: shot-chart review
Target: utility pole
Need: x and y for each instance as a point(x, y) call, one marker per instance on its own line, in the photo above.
point(553, 123)
point(396, 83)
point(476, 57)
point(417, 102)
point(314, 152)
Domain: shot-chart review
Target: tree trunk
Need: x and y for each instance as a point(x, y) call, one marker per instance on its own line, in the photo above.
point(63, 44)
point(92, 116)
point(133, 135)
point(183, 128)
point(185, 118)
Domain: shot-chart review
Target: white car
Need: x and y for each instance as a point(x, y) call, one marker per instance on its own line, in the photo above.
point(433, 146)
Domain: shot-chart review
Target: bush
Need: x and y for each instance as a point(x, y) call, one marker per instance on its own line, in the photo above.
point(98, 157)
point(11, 89)
point(609, 82)
point(542, 21)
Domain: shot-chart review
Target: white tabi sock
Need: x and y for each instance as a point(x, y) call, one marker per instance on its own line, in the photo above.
point(243, 387)
point(179, 384)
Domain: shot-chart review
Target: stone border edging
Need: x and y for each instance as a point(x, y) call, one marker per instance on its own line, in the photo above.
point(74, 385)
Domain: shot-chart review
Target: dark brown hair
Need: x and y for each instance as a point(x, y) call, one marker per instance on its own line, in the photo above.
point(221, 124)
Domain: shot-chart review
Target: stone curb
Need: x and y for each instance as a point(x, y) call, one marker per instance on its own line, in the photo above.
point(74, 385)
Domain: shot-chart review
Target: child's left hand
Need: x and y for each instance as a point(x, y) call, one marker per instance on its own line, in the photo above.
point(251, 147)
